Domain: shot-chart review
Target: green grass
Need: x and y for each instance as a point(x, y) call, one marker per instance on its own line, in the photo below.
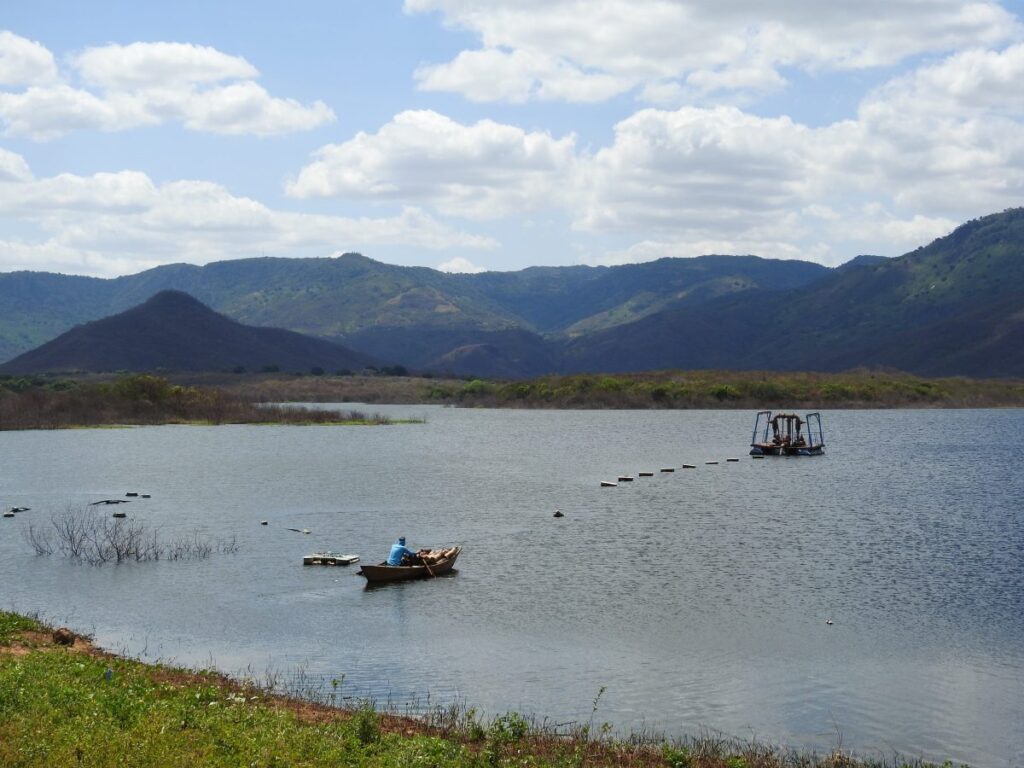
point(78, 706)
point(12, 624)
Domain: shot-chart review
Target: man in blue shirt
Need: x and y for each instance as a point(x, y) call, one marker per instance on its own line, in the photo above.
point(398, 551)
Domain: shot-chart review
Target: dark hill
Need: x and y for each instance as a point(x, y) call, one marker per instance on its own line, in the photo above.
point(175, 332)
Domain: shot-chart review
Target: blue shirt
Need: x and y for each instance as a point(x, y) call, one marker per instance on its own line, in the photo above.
point(397, 551)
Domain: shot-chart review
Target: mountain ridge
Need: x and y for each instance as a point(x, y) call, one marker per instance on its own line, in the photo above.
point(953, 307)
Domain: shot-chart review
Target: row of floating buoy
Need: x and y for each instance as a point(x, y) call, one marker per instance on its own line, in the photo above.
point(629, 478)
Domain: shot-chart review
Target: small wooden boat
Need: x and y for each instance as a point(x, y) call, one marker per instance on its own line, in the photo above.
point(329, 558)
point(384, 573)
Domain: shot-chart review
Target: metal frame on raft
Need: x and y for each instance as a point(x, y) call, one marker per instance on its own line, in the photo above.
point(787, 438)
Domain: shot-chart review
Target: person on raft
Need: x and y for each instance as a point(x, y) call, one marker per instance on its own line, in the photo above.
point(402, 555)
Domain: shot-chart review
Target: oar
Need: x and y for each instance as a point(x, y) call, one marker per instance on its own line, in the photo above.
point(428, 569)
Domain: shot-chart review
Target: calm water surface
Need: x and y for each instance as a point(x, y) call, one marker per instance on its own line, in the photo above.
point(698, 598)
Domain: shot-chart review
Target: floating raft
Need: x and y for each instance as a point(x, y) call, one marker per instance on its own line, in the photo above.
point(646, 474)
point(625, 479)
point(668, 469)
point(689, 466)
point(329, 558)
point(710, 462)
point(120, 514)
point(732, 460)
point(608, 484)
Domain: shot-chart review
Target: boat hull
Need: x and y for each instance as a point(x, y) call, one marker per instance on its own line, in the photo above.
point(384, 573)
point(767, 449)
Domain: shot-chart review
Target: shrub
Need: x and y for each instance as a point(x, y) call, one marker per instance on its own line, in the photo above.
point(366, 722)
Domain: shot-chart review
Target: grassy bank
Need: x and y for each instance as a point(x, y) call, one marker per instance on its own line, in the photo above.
point(144, 400)
point(663, 389)
point(76, 705)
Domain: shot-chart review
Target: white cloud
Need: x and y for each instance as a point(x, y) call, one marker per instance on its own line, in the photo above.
point(113, 223)
point(483, 170)
point(937, 145)
point(580, 50)
point(459, 264)
point(158, 65)
point(13, 167)
point(518, 76)
point(246, 108)
point(24, 61)
point(148, 84)
point(695, 167)
point(651, 250)
point(46, 112)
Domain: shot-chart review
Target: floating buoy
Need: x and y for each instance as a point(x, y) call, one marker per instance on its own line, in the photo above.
point(646, 474)
point(264, 522)
point(609, 484)
point(558, 513)
point(710, 462)
point(668, 469)
point(689, 466)
point(731, 460)
point(625, 479)
point(120, 514)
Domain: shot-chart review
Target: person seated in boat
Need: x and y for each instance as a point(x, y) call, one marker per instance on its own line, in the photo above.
point(400, 553)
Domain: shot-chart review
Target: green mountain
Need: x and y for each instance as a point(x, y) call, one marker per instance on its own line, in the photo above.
point(955, 307)
point(355, 299)
point(174, 332)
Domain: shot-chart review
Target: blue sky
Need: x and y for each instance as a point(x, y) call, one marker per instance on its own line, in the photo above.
point(470, 135)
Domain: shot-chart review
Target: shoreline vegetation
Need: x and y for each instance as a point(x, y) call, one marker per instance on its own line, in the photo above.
point(746, 390)
point(112, 400)
point(65, 702)
point(142, 400)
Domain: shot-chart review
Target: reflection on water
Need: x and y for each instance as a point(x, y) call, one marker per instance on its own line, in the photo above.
point(698, 598)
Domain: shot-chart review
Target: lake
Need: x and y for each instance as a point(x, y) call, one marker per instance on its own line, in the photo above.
point(698, 599)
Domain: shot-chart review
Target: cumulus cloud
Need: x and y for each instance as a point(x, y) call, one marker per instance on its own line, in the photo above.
point(483, 170)
point(141, 84)
point(581, 50)
point(933, 146)
point(13, 167)
point(517, 76)
point(24, 62)
point(651, 250)
point(112, 223)
point(157, 65)
point(459, 264)
point(668, 170)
